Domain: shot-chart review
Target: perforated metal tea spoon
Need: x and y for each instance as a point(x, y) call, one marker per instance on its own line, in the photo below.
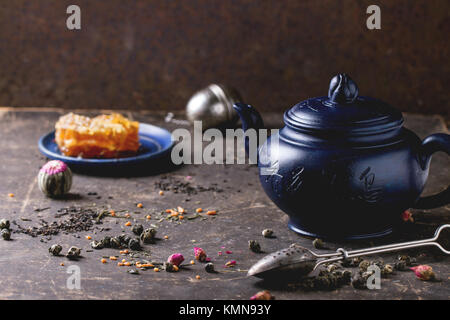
point(300, 261)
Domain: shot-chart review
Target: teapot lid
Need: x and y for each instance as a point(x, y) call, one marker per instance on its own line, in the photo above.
point(343, 111)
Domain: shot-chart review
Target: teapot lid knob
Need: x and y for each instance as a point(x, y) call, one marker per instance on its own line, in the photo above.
point(343, 90)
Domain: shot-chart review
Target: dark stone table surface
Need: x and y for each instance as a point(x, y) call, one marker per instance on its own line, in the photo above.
point(30, 272)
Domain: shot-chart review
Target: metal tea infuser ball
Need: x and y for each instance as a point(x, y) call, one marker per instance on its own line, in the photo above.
point(213, 106)
point(302, 261)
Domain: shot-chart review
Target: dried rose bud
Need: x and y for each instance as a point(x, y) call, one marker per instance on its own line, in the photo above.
point(424, 272)
point(407, 216)
point(231, 263)
point(200, 254)
point(262, 295)
point(176, 259)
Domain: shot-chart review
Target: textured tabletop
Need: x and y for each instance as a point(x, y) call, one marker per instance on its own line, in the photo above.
point(243, 211)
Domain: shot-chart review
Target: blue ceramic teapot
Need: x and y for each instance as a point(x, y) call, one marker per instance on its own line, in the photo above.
point(344, 166)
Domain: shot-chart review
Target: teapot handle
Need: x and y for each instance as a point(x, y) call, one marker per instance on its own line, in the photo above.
point(431, 144)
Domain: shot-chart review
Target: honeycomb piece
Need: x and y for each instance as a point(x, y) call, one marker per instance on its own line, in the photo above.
point(105, 136)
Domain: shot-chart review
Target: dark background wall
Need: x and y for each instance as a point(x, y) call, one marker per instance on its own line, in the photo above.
point(154, 54)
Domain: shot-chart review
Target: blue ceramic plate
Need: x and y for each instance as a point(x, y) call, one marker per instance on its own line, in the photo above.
point(155, 142)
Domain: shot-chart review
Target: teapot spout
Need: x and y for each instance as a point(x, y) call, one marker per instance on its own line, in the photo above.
point(250, 119)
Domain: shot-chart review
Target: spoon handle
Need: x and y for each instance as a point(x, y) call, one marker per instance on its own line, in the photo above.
point(342, 254)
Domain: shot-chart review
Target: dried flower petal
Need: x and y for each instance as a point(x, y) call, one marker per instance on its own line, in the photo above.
point(231, 263)
point(407, 216)
point(424, 272)
point(54, 167)
point(262, 295)
point(199, 254)
point(176, 259)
